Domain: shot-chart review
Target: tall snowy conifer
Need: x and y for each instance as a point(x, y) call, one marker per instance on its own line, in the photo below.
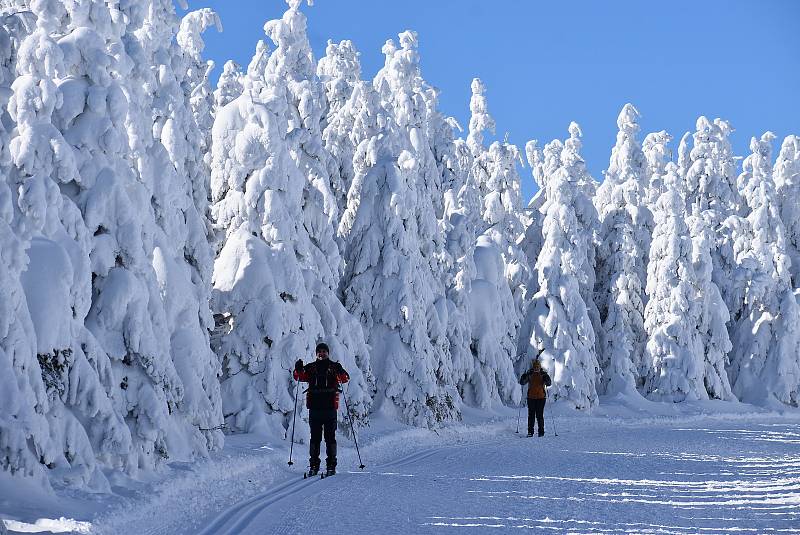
point(276, 274)
point(657, 154)
point(787, 182)
point(492, 258)
point(626, 226)
point(340, 71)
point(24, 433)
point(408, 98)
point(765, 362)
point(387, 283)
point(561, 327)
point(712, 323)
point(674, 352)
point(173, 124)
point(85, 426)
point(292, 64)
point(229, 85)
point(130, 312)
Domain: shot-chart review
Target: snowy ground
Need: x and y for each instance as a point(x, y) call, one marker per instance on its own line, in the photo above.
point(612, 472)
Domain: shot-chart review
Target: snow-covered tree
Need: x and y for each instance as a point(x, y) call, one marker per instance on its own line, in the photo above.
point(712, 323)
point(24, 433)
point(480, 120)
point(657, 154)
point(586, 214)
point(765, 361)
point(502, 207)
point(83, 423)
point(674, 351)
point(412, 104)
point(175, 132)
point(787, 182)
point(626, 226)
point(194, 75)
point(345, 119)
point(559, 320)
point(339, 70)
point(277, 272)
point(292, 64)
point(229, 85)
point(387, 283)
point(709, 170)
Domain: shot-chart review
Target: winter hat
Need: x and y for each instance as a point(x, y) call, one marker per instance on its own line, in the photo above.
point(322, 345)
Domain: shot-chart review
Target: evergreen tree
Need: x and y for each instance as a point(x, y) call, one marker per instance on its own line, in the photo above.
point(765, 362)
point(229, 85)
point(340, 71)
point(626, 226)
point(787, 182)
point(674, 351)
point(24, 433)
point(561, 327)
point(712, 324)
point(410, 101)
point(387, 283)
point(657, 154)
point(276, 274)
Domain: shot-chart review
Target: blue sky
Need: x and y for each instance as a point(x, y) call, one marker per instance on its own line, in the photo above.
point(548, 63)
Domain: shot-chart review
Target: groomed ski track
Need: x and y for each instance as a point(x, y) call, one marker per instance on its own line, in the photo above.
point(695, 475)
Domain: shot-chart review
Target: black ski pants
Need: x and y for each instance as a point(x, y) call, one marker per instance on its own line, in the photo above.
point(322, 421)
point(536, 412)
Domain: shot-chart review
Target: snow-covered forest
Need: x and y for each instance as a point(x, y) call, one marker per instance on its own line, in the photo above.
point(169, 249)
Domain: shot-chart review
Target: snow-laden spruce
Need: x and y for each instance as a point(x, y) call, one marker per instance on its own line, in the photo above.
point(561, 328)
point(714, 315)
point(292, 64)
point(343, 126)
point(175, 166)
point(83, 422)
point(384, 284)
point(544, 163)
point(626, 228)
point(765, 361)
point(408, 100)
point(657, 153)
point(484, 272)
point(495, 173)
point(229, 85)
point(709, 171)
point(674, 351)
point(787, 182)
point(24, 434)
point(276, 274)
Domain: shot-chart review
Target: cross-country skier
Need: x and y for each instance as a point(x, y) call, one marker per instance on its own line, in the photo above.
point(323, 377)
point(537, 380)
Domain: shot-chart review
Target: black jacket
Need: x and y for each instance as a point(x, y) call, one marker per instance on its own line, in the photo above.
point(323, 378)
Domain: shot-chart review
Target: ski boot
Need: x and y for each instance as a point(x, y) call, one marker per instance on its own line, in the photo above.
point(312, 471)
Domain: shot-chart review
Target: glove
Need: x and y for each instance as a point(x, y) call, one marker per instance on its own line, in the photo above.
point(298, 366)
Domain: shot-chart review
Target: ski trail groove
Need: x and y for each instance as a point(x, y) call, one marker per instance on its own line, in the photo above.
point(225, 516)
point(251, 512)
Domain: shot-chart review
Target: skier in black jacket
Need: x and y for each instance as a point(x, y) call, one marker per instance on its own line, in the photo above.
point(323, 377)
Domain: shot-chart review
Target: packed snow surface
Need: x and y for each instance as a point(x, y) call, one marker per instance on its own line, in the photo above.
point(680, 471)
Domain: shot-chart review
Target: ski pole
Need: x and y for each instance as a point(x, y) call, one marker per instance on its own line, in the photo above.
point(519, 412)
point(552, 415)
point(294, 420)
point(352, 429)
